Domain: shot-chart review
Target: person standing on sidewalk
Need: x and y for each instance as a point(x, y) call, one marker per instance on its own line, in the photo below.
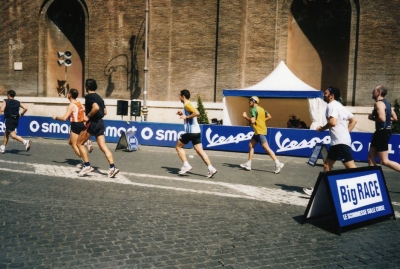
point(258, 119)
point(382, 114)
point(95, 111)
point(76, 113)
point(193, 134)
point(340, 122)
point(11, 107)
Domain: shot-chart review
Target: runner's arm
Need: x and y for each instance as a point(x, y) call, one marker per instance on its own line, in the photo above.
point(267, 116)
point(3, 106)
point(380, 109)
point(352, 123)
point(331, 123)
point(93, 111)
point(394, 115)
point(66, 115)
point(24, 109)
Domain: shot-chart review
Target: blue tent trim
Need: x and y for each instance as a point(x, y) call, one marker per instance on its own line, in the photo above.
point(273, 94)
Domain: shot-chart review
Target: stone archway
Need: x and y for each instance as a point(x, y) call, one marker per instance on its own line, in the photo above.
point(63, 27)
point(319, 42)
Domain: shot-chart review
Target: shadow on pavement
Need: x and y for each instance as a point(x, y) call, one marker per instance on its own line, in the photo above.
point(69, 161)
point(237, 166)
point(291, 188)
point(174, 171)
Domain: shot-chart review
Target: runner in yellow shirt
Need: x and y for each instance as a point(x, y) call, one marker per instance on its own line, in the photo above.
point(258, 118)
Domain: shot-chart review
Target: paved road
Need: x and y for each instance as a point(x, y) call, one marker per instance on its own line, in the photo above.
point(150, 217)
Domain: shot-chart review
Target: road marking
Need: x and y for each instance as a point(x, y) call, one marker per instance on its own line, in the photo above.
point(230, 190)
point(271, 195)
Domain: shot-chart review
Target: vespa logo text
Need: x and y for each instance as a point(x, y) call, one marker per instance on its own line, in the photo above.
point(217, 140)
point(288, 145)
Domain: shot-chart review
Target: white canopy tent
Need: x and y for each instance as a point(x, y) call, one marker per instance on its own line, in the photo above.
point(282, 94)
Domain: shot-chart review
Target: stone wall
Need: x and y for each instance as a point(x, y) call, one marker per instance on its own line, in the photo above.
point(252, 39)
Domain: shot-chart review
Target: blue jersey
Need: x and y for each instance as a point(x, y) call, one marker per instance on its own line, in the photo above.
point(191, 125)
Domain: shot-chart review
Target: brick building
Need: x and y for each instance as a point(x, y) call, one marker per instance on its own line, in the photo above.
point(202, 45)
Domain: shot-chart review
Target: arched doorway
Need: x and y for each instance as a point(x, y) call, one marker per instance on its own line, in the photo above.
point(62, 28)
point(319, 42)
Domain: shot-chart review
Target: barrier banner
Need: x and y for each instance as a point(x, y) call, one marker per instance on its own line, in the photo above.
point(296, 142)
point(159, 134)
point(229, 138)
point(351, 195)
point(283, 141)
point(44, 127)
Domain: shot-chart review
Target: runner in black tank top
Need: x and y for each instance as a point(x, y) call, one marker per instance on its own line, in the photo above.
point(11, 108)
point(382, 114)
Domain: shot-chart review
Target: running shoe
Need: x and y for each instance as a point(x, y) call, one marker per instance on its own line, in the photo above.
point(85, 170)
point(113, 171)
point(28, 145)
point(89, 145)
point(246, 166)
point(211, 172)
point(185, 169)
point(80, 165)
point(2, 149)
point(278, 167)
point(308, 191)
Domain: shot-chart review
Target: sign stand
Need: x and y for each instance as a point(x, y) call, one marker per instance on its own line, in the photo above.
point(352, 196)
point(319, 149)
point(128, 142)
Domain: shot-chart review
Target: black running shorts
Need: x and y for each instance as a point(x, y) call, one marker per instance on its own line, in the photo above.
point(188, 137)
point(77, 127)
point(11, 124)
point(341, 151)
point(380, 140)
point(95, 128)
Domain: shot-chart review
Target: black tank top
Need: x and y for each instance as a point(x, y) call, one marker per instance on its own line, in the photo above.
point(12, 108)
point(388, 112)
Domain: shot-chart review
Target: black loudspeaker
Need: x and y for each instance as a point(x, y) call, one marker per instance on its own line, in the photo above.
point(136, 108)
point(122, 107)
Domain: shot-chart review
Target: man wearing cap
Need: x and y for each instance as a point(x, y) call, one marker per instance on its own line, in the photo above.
point(258, 118)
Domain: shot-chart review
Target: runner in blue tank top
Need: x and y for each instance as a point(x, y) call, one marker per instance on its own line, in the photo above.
point(382, 114)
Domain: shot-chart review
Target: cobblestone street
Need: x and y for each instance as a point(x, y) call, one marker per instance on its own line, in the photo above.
point(150, 217)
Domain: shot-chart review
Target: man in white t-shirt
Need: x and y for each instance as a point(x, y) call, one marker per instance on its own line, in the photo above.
point(340, 122)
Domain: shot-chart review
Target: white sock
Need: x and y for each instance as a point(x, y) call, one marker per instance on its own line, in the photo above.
point(25, 141)
point(277, 162)
point(249, 162)
point(210, 167)
point(186, 163)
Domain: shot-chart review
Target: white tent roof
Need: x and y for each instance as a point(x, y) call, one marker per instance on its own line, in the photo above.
point(281, 79)
point(281, 83)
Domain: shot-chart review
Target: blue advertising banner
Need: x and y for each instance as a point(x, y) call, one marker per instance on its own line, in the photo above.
point(283, 141)
point(287, 141)
point(359, 195)
point(228, 138)
point(159, 134)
